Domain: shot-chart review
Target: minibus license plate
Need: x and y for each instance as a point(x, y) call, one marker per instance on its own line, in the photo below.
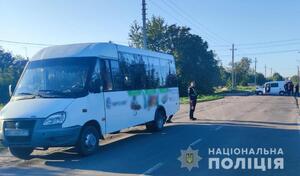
point(16, 132)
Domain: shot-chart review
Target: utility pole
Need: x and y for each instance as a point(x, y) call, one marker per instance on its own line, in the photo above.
point(144, 24)
point(233, 68)
point(298, 78)
point(265, 71)
point(271, 72)
point(255, 81)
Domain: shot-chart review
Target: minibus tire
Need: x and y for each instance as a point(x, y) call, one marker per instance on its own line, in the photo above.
point(21, 152)
point(82, 147)
point(158, 123)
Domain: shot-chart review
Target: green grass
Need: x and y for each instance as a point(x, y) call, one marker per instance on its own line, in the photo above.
point(238, 89)
point(202, 98)
point(1, 106)
point(246, 88)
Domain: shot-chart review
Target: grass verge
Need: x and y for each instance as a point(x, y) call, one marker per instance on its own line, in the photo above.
point(201, 98)
point(246, 88)
point(238, 89)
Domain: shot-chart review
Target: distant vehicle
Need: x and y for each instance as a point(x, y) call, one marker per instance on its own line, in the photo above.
point(73, 95)
point(271, 88)
point(259, 90)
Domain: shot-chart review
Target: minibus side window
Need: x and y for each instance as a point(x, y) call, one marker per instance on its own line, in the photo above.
point(117, 76)
point(134, 69)
point(164, 71)
point(125, 61)
point(106, 75)
point(95, 82)
point(154, 72)
point(139, 72)
point(171, 78)
point(148, 72)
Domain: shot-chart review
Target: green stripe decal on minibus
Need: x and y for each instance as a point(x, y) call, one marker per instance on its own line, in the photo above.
point(150, 91)
point(134, 92)
point(163, 90)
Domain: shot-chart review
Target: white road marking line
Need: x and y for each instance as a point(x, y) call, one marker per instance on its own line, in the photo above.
point(218, 128)
point(195, 142)
point(152, 169)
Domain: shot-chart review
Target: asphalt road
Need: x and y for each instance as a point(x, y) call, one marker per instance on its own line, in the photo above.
point(234, 122)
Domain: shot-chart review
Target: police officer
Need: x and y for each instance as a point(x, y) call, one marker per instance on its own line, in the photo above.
point(193, 99)
point(297, 90)
point(292, 88)
point(286, 88)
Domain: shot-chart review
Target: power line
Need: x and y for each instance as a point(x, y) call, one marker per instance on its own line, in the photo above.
point(170, 14)
point(193, 20)
point(208, 36)
point(268, 42)
point(273, 45)
point(220, 46)
point(25, 43)
point(264, 53)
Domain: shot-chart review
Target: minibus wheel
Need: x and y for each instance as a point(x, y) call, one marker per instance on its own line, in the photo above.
point(88, 142)
point(21, 152)
point(158, 123)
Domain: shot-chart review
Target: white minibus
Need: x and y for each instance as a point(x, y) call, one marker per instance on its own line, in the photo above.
point(74, 95)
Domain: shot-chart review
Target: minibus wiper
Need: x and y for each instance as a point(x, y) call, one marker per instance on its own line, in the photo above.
point(50, 93)
point(25, 95)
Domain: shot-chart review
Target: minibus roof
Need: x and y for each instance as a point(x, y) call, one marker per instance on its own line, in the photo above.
point(105, 50)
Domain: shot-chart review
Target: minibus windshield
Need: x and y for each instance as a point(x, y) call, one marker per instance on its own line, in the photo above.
point(65, 77)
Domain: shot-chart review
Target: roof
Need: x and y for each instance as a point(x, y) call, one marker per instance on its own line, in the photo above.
point(92, 50)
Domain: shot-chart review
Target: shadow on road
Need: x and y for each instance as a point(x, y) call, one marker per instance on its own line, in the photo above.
point(256, 124)
point(143, 150)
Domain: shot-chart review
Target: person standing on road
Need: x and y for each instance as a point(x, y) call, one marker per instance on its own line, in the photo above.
point(292, 88)
point(193, 99)
point(286, 88)
point(289, 88)
point(297, 90)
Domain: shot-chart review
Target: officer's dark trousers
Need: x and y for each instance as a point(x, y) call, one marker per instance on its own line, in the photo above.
point(192, 108)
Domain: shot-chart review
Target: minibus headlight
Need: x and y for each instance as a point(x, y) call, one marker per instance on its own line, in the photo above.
point(55, 119)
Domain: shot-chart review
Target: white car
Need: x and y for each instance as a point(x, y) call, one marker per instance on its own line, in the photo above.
point(271, 88)
point(259, 90)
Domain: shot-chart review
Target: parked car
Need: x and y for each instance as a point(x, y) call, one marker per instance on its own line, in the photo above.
point(271, 88)
point(259, 90)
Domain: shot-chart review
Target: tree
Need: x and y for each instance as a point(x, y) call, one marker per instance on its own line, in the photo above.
point(194, 61)
point(225, 77)
point(260, 79)
point(277, 77)
point(295, 79)
point(11, 68)
point(243, 71)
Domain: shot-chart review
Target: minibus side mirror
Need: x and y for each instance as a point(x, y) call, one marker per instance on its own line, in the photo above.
point(10, 90)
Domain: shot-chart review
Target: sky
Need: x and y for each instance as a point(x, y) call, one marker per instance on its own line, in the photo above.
point(268, 30)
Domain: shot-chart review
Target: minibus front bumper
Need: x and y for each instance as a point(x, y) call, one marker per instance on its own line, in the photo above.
point(37, 135)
